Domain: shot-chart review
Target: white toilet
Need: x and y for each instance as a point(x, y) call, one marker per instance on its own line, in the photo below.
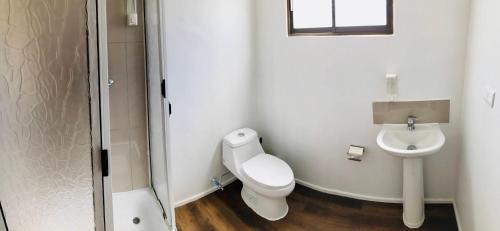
point(267, 180)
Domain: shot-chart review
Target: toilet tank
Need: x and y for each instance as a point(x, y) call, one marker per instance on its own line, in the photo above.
point(240, 146)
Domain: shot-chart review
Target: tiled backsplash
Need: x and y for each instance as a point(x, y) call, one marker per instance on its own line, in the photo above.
point(431, 111)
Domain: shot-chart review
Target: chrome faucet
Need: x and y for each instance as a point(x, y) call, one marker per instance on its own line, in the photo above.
point(412, 120)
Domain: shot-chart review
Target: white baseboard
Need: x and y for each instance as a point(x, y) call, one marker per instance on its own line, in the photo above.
point(366, 197)
point(203, 194)
point(327, 191)
point(457, 216)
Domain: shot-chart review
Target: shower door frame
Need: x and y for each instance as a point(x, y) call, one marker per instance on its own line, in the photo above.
point(103, 195)
point(95, 74)
point(105, 120)
point(3, 221)
point(155, 33)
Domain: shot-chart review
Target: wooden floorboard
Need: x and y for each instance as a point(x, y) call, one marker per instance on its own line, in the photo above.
point(309, 210)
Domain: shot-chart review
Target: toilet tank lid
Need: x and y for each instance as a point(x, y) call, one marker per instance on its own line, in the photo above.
point(240, 137)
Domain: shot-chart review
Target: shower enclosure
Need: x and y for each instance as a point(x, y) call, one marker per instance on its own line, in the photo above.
point(134, 116)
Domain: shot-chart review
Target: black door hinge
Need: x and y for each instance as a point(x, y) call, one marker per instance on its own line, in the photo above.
point(169, 109)
point(105, 162)
point(163, 90)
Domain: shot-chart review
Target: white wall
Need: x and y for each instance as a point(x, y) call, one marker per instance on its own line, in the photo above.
point(315, 94)
point(210, 85)
point(479, 173)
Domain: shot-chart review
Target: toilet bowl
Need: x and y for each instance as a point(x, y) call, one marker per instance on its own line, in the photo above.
point(267, 180)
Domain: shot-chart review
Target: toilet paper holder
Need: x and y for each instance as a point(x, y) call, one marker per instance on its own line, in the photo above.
point(355, 152)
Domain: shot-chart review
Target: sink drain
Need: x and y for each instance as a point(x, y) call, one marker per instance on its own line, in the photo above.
point(411, 147)
point(136, 220)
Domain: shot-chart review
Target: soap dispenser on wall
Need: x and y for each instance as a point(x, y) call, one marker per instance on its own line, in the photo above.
point(392, 87)
point(132, 16)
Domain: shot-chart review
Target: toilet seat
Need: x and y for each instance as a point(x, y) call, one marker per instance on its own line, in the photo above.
point(268, 171)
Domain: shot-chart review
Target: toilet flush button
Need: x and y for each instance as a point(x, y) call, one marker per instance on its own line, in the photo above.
point(241, 134)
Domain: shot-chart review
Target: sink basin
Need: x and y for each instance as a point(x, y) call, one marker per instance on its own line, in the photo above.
point(397, 140)
point(412, 146)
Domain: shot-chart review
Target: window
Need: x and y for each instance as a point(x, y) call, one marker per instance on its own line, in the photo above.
point(339, 17)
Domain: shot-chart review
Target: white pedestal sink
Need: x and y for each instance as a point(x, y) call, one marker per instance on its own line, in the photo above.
point(412, 146)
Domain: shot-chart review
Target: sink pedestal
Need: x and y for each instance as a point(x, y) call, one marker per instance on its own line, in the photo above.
point(413, 192)
point(412, 146)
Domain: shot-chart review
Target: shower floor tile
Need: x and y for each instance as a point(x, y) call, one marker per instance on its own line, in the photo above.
point(139, 203)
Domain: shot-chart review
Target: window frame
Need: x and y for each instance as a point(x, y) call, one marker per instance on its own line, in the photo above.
point(334, 30)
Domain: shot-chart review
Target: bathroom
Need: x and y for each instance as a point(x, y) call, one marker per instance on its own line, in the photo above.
point(183, 115)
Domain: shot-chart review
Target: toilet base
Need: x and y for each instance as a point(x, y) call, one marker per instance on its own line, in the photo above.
point(272, 209)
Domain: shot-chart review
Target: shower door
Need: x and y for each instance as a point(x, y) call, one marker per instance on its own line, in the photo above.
point(105, 115)
point(159, 107)
point(157, 113)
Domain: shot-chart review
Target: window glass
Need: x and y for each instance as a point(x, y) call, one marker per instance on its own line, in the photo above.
point(350, 13)
point(312, 13)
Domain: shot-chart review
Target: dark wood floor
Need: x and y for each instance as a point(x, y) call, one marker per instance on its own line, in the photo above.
point(309, 211)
